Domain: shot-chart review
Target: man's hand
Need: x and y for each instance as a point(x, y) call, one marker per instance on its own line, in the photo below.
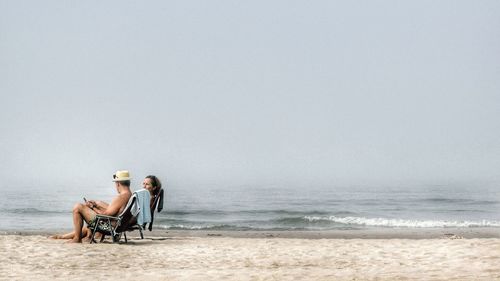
point(91, 204)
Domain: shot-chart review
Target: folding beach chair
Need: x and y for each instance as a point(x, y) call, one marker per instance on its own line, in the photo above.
point(156, 204)
point(116, 226)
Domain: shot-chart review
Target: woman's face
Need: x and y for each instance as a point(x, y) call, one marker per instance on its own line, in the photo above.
point(148, 184)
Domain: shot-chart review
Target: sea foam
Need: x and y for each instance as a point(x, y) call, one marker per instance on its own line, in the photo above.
point(385, 222)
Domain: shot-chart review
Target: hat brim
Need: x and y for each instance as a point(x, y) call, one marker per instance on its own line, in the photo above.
point(122, 179)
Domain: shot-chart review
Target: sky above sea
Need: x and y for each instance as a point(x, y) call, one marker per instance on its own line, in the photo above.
point(258, 93)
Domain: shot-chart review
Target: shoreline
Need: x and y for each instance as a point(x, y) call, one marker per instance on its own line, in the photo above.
point(367, 233)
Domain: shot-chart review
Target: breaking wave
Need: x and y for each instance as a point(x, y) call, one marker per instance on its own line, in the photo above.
point(384, 222)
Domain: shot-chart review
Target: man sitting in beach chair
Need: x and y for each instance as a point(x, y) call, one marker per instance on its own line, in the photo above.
point(114, 226)
point(89, 210)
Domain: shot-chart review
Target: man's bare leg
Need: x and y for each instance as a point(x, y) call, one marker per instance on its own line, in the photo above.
point(63, 236)
point(85, 233)
point(80, 213)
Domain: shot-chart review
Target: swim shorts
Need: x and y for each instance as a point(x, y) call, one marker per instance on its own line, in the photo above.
point(103, 225)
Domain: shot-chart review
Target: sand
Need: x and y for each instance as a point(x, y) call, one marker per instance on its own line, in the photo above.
point(35, 257)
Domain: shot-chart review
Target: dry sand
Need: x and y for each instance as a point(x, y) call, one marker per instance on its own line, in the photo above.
point(35, 257)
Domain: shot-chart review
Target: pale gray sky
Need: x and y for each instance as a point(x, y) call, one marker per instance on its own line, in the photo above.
point(238, 93)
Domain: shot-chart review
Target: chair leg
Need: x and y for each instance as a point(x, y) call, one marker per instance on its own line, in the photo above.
point(116, 238)
point(125, 235)
point(93, 232)
point(112, 229)
point(140, 231)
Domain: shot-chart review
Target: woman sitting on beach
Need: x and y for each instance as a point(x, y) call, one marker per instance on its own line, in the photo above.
point(153, 185)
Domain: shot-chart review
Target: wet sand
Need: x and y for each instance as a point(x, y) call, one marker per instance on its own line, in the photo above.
point(363, 233)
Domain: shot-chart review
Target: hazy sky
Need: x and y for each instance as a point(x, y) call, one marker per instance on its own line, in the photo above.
point(250, 92)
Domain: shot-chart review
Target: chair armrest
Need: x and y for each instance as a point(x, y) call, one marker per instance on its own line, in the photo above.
point(107, 217)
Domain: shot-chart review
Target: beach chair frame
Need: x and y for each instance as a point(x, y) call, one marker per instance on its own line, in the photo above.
point(118, 224)
point(156, 201)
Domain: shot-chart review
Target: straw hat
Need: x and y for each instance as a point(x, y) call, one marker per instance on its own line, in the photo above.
point(121, 176)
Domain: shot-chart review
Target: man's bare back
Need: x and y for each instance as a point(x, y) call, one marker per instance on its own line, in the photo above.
point(122, 200)
point(116, 206)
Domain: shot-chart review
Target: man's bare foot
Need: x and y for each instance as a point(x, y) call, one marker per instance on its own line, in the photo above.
point(73, 241)
point(55, 237)
point(86, 240)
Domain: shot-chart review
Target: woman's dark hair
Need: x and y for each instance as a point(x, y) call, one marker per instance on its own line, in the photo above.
point(156, 183)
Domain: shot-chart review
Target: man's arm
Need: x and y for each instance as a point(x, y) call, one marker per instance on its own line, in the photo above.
point(97, 205)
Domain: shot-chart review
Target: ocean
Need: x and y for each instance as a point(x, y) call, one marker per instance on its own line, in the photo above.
point(244, 208)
